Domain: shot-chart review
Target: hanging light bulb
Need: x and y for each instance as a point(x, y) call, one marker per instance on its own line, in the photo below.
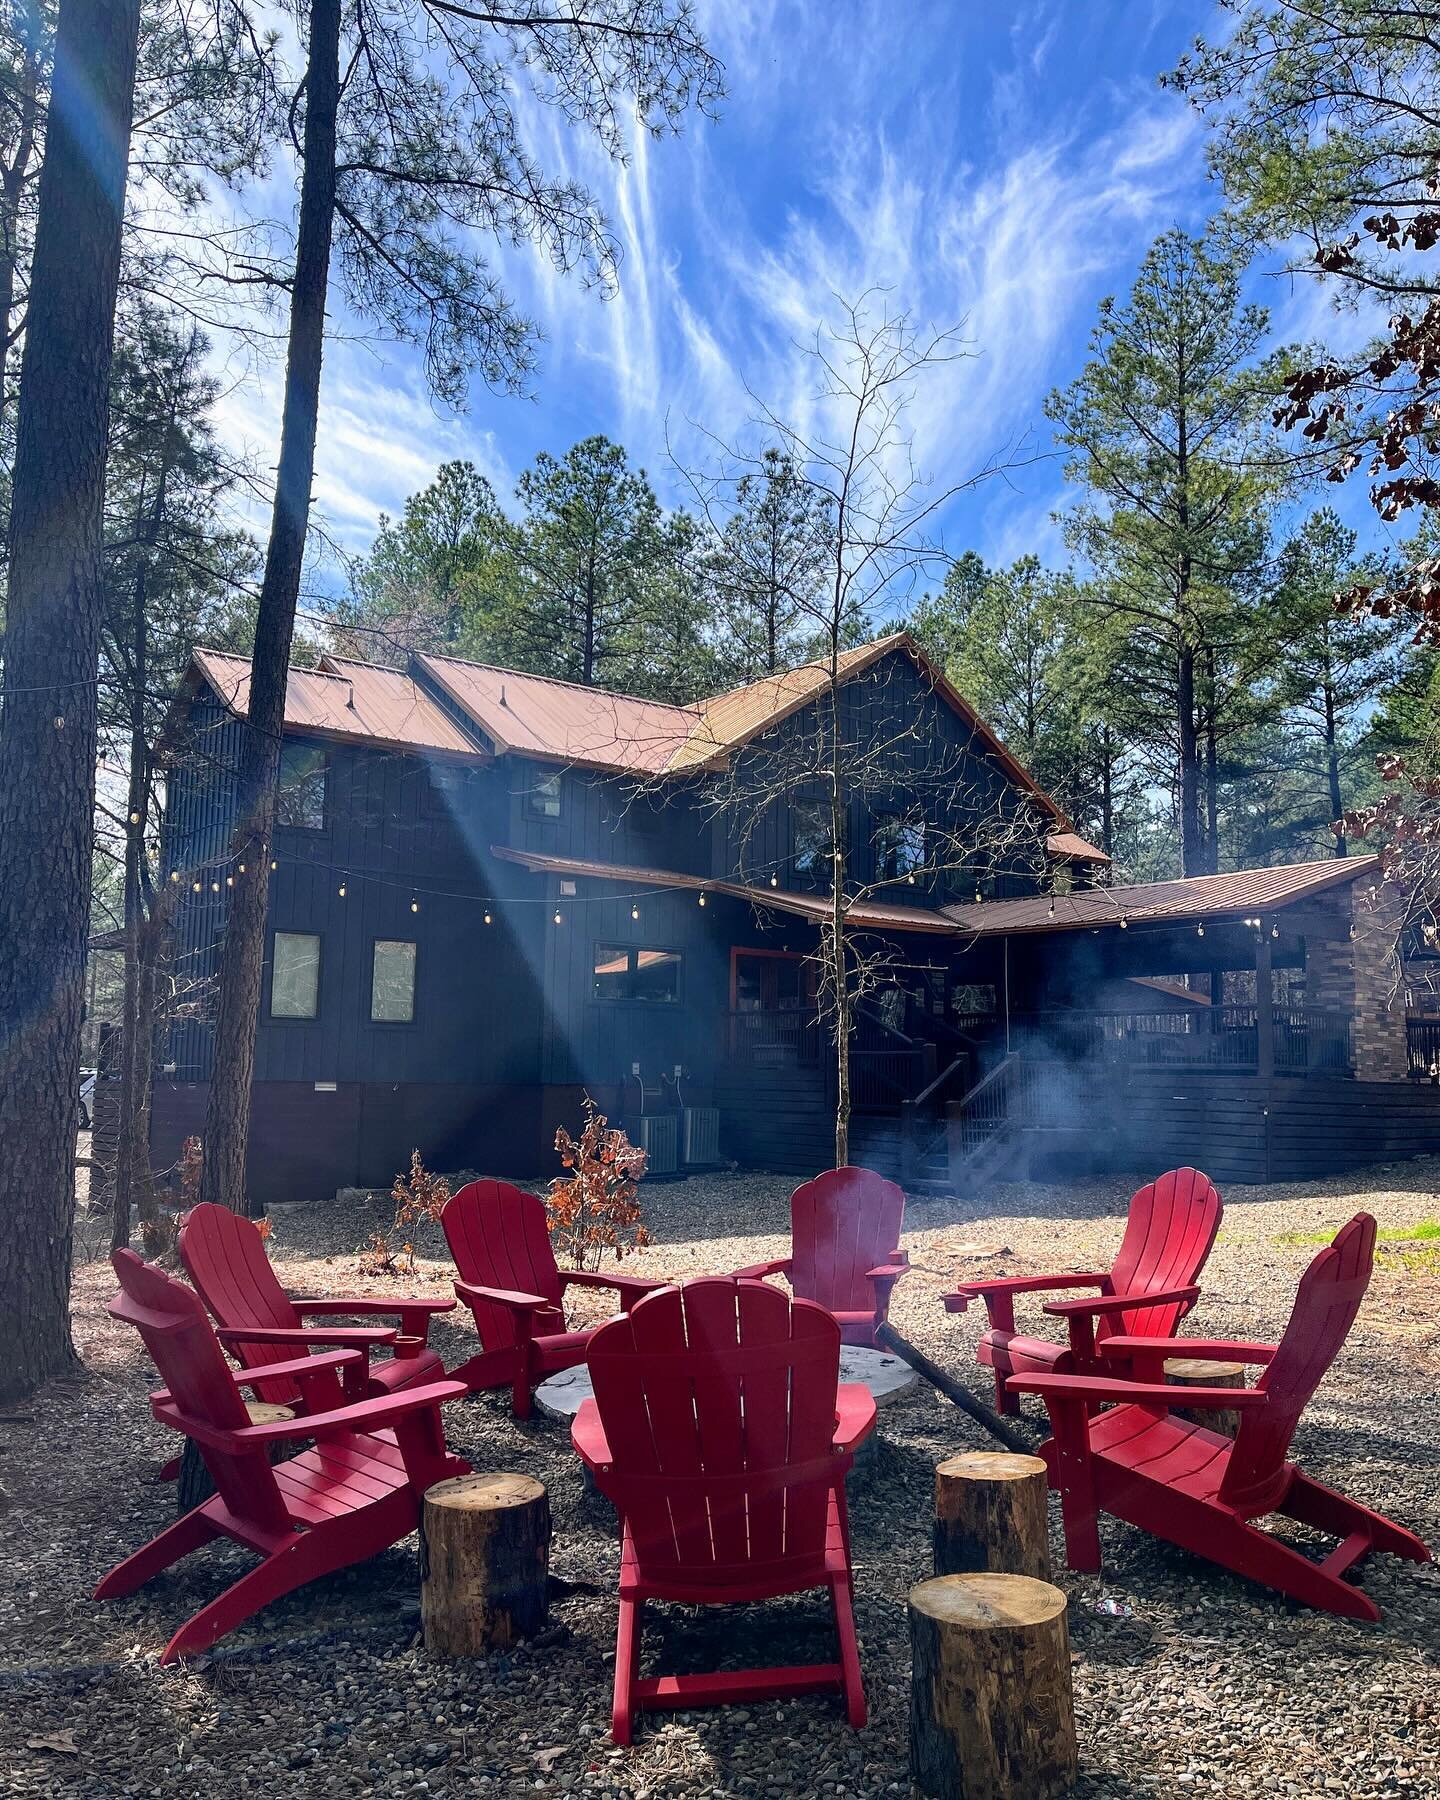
point(774, 879)
point(979, 897)
point(174, 874)
point(1274, 931)
point(134, 818)
point(911, 878)
point(229, 881)
point(1124, 923)
point(341, 889)
point(273, 865)
point(634, 912)
point(414, 904)
point(702, 897)
point(1200, 929)
point(558, 917)
point(214, 887)
point(1051, 913)
point(241, 868)
point(488, 919)
point(196, 887)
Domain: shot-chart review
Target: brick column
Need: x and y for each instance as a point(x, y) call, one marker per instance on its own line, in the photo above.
point(1356, 974)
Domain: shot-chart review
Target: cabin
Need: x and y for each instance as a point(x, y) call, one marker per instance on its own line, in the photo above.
point(491, 893)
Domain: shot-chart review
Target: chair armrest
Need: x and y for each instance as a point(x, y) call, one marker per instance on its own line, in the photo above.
point(629, 1288)
point(472, 1295)
point(587, 1434)
point(891, 1272)
point(375, 1304)
point(1205, 1349)
point(1006, 1285)
point(1117, 1303)
point(353, 1337)
point(300, 1365)
point(781, 1265)
point(363, 1415)
point(854, 1415)
point(1135, 1393)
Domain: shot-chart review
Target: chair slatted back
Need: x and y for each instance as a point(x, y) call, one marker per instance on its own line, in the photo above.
point(1168, 1236)
point(224, 1255)
point(718, 1401)
point(1326, 1302)
point(841, 1224)
point(499, 1238)
point(182, 1344)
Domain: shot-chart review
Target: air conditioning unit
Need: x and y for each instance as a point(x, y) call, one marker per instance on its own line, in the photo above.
point(699, 1135)
point(657, 1135)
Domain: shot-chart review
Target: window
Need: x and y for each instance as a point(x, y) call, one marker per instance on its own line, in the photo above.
point(623, 973)
point(300, 803)
point(899, 846)
point(392, 982)
point(295, 976)
point(543, 797)
point(811, 837)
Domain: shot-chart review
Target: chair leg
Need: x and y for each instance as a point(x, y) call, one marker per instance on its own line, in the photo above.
point(851, 1681)
point(175, 1542)
point(1073, 1473)
point(1005, 1401)
point(627, 1670)
point(520, 1396)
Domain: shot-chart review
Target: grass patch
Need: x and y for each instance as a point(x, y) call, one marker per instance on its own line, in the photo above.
point(1427, 1231)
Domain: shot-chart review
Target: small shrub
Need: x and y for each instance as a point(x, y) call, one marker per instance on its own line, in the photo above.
point(595, 1208)
point(419, 1200)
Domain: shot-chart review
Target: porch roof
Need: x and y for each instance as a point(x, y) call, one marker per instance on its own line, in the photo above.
point(1234, 895)
point(873, 915)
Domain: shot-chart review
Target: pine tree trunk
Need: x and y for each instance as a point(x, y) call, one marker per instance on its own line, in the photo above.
point(12, 187)
point(48, 729)
point(1192, 835)
point(227, 1112)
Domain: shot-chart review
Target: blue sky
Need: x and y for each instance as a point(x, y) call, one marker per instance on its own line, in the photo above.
point(1000, 165)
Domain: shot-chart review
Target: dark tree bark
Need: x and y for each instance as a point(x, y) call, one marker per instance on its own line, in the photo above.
point(1332, 769)
point(227, 1112)
point(14, 178)
point(48, 728)
point(1192, 834)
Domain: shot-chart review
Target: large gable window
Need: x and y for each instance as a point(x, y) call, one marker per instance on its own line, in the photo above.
point(899, 846)
point(625, 973)
point(295, 975)
point(392, 982)
point(300, 802)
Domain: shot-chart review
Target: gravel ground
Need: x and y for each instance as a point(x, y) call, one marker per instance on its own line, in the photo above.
point(1199, 1683)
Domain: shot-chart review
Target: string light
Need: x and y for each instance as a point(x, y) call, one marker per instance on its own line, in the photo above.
point(1124, 923)
point(1274, 931)
point(241, 868)
point(559, 917)
point(197, 887)
point(979, 897)
point(774, 879)
point(1051, 913)
point(911, 879)
point(229, 881)
point(214, 887)
point(135, 818)
point(414, 904)
point(273, 865)
point(488, 919)
point(1200, 929)
point(174, 874)
point(702, 896)
point(634, 912)
point(341, 889)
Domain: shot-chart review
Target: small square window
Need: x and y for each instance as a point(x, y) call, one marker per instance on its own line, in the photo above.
point(300, 803)
point(543, 797)
point(392, 982)
point(899, 846)
point(295, 975)
point(624, 973)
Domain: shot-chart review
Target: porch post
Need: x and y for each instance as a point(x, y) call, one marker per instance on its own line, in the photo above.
point(1264, 1007)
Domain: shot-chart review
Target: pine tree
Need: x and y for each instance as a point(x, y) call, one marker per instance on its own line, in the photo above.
point(767, 569)
point(1166, 427)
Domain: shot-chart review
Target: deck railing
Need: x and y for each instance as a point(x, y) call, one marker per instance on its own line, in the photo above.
point(1422, 1038)
point(1304, 1037)
point(775, 1037)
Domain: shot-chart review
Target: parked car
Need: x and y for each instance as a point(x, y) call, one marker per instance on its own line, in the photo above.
point(87, 1097)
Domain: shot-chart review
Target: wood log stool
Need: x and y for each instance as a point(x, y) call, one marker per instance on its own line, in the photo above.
point(1194, 1371)
point(990, 1515)
point(194, 1486)
point(484, 1563)
point(992, 1713)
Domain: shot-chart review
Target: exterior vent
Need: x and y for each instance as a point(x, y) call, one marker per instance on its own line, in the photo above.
point(657, 1136)
point(700, 1135)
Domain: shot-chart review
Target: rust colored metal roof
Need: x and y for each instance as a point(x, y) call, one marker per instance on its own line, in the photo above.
point(1197, 897)
point(560, 721)
point(354, 700)
point(806, 906)
point(1074, 848)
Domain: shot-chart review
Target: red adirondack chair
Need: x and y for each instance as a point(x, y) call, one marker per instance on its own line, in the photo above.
point(1146, 1293)
point(224, 1255)
point(720, 1433)
point(1201, 1490)
point(357, 1492)
point(844, 1249)
point(511, 1283)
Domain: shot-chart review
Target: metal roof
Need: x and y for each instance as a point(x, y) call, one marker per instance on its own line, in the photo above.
point(1073, 847)
point(562, 721)
point(1199, 897)
point(340, 698)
